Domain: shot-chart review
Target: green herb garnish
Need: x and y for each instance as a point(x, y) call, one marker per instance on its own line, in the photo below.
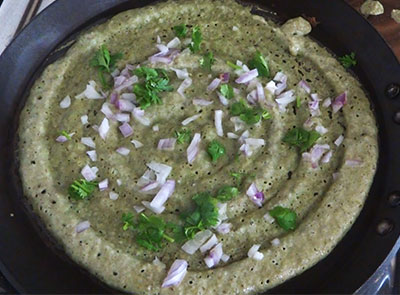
point(286, 218)
point(248, 115)
point(258, 62)
point(266, 115)
point(233, 66)
point(301, 138)
point(238, 176)
point(156, 81)
point(81, 189)
point(215, 150)
point(183, 135)
point(196, 39)
point(298, 101)
point(127, 219)
point(65, 133)
point(227, 193)
point(207, 61)
point(105, 62)
point(348, 60)
point(227, 91)
point(180, 30)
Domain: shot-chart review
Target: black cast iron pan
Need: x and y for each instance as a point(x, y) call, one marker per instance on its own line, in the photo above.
point(33, 262)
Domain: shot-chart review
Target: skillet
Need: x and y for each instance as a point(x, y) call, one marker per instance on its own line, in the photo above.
point(34, 263)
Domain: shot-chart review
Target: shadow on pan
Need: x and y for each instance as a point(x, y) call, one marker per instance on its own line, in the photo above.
point(32, 260)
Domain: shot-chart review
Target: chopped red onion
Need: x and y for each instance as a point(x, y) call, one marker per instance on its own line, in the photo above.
point(127, 83)
point(137, 143)
point(126, 129)
point(209, 244)
point(90, 92)
point(123, 151)
point(190, 119)
point(113, 196)
point(166, 144)
point(120, 117)
point(66, 102)
point(260, 93)
point(139, 208)
point(117, 82)
point(104, 128)
point(106, 110)
point(84, 119)
point(281, 82)
point(175, 274)
point(155, 128)
point(271, 87)
point(61, 138)
point(119, 182)
point(252, 97)
point(314, 105)
point(244, 136)
point(255, 142)
point(214, 256)
point(165, 192)
point(156, 210)
point(321, 129)
point(213, 85)
point(284, 99)
point(327, 102)
point(339, 102)
point(202, 102)
point(353, 162)
point(224, 228)
point(308, 123)
point(114, 95)
point(126, 71)
point(224, 101)
point(238, 123)
point(103, 185)
point(232, 135)
point(191, 246)
point(254, 253)
point(339, 140)
point(88, 141)
point(182, 74)
point(255, 195)
point(235, 28)
point(92, 155)
point(327, 157)
point(269, 218)
point(275, 242)
point(82, 226)
point(303, 84)
point(222, 212)
point(316, 154)
point(138, 114)
point(150, 187)
point(115, 73)
point(161, 170)
point(174, 43)
point(162, 48)
point(224, 77)
point(247, 77)
point(225, 257)
point(158, 39)
point(193, 148)
point(218, 122)
point(185, 84)
point(124, 105)
point(164, 57)
point(89, 173)
point(129, 96)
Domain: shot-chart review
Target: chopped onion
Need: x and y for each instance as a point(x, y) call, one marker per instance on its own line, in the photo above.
point(89, 173)
point(327, 102)
point(137, 143)
point(190, 119)
point(275, 242)
point(92, 155)
point(166, 144)
point(224, 101)
point(269, 218)
point(232, 135)
point(182, 74)
point(252, 97)
point(119, 182)
point(235, 28)
point(244, 136)
point(161, 170)
point(138, 208)
point(202, 102)
point(123, 151)
point(316, 154)
point(260, 93)
point(174, 43)
point(156, 210)
point(90, 92)
point(271, 87)
point(353, 162)
point(255, 195)
point(224, 77)
point(224, 228)
point(308, 123)
point(103, 185)
point(66, 102)
point(218, 122)
point(106, 110)
point(127, 83)
point(209, 244)
point(327, 157)
point(303, 84)
point(175, 274)
point(185, 84)
point(138, 114)
point(120, 117)
point(247, 76)
point(104, 128)
point(321, 129)
point(113, 196)
point(114, 95)
point(214, 256)
point(213, 85)
point(129, 96)
point(61, 138)
point(84, 119)
point(225, 257)
point(126, 129)
point(238, 123)
point(126, 71)
point(166, 190)
point(124, 105)
point(148, 177)
point(193, 148)
point(254, 253)
point(194, 244)
point(255, 142)
point(284, 99)
point(339, 140)
point(314, 105)
point(155, 128)
point(150, 187)
point(82, 226)
point(339, 102)
point(88, 141)
point(281, 82)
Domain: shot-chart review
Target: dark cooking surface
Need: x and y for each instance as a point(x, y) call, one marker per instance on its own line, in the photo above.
point(24, 254)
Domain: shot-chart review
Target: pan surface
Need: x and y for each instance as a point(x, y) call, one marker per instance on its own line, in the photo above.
point(34, 263)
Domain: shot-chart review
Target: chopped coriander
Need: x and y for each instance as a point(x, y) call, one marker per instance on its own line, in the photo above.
point(196, 39)
point(183, 135)
point(215, 150)
point(227, 91)
point(286, 218)
point(258, 62)
point(348, 60)
point(266, 115)
point(127, 219)
point(238, 107)
point(207, 61)
point(238, 176)
point(180, 30)
point(301, 138)
point(65, 133)
point(156, 81)
point(227, 193)
point(233, 66)
point(298, 101)
point(105, 62)
point(81, 189)
point(248, 115)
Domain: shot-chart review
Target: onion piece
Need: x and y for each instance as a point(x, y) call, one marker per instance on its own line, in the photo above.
point(175, 274)
point(275, 242)
point(104, 128)
point(214, 256)
point(136, 143)
point(339, 140)
point(327, 102)
point(61, 138)
point(174, 43)
point(252, 97)
point(155, 128)
point(238, 123)
point(138, 114)
point(321, 129)
point(316, 154)
point(327, 157)
point(256, 196)
point(339, 102)
point(114, 95)
point(284, 99)
point(190, 119)
point(156, 210)
point(314, 105)
point(150, 187)
point(90, 92)
point(269, 218)
point(127, 83)
point(247, 77)
point(82, 226)
point(224, 101)
point(184, 85)
point(89, 173)
point(84, 119)
point(232, 135)
point(92, 155)
point(224, 77)
point(182, 74)
point(353, 162)
point(123, 151)
point(66, 102)
point(88, 141)
point(166, 144)
point(120, 117)
point(224, 228)
point(106, 110)
point(303, 84)
point(193, 148)
point(126, 129)
point(191, 246)
point(129, 96)
point(213, 85)
point(165, 192)
point(209, 244)
point(113, 196)
point(202, 102)
point(103, 185)
point(124, 105)
point(254, 253)
point(260, 93)
point(161, 171)
point(139, 208)
point(225, 257)
point(218, 122)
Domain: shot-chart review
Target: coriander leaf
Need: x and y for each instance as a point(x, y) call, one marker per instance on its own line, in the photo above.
point(298, 101)
point(258, 62)
point(208, 209)
point(250, 116)
point(196, 39)
point(238, 107)
point(147, 73)
point(301, 138)
point(227, 91)
point(65, 133)
point(215, 150)
point(238, 176)
point(81, 189)
point(233, 66)
point(266, 115)
point(180, 30)
point(207, 61)
point(184, 135)
point(127, 219)
point(348, 60)
point(105, 62)
point(286, 218)
point(227, 193)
